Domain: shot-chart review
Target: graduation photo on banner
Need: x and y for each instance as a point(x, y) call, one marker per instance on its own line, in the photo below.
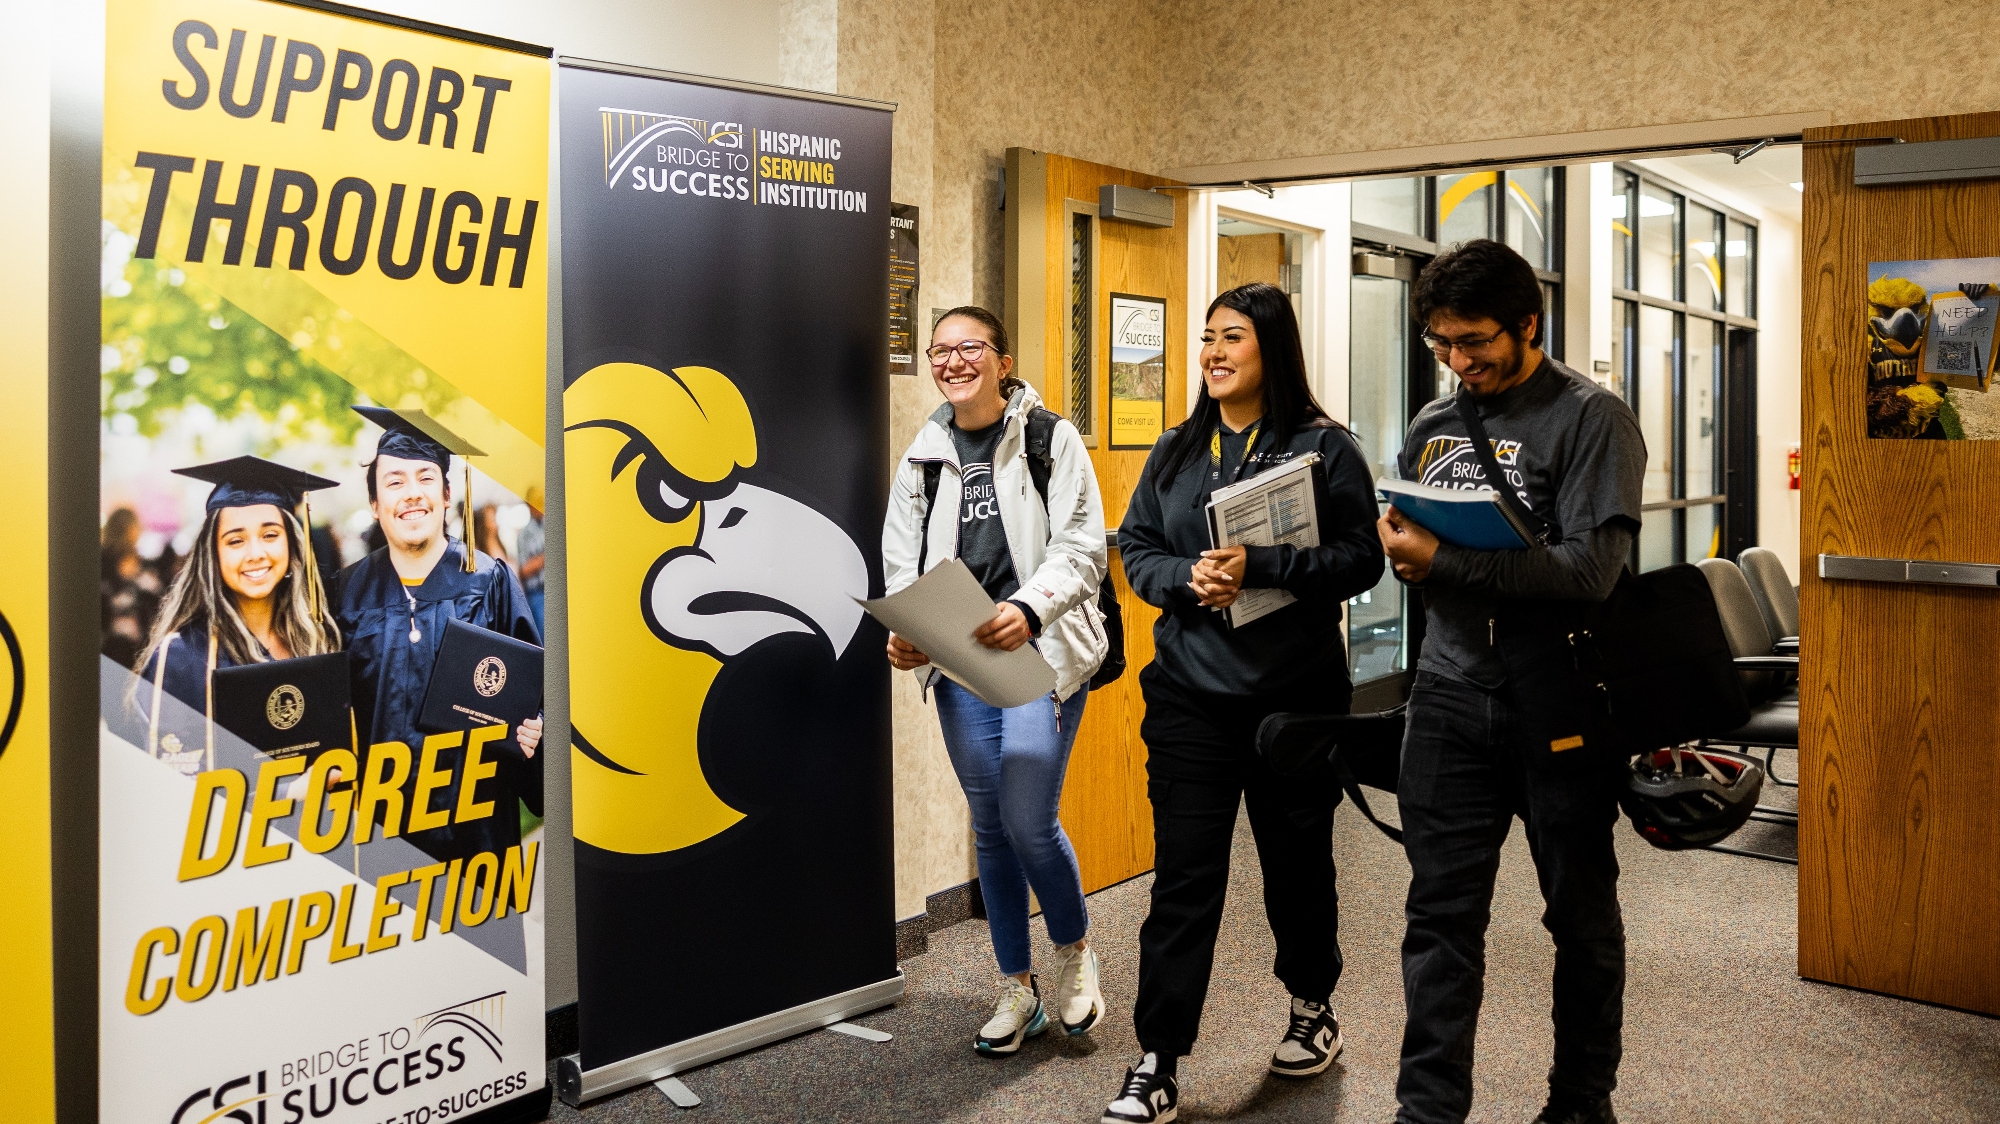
point(324, 293)
point(725, 331)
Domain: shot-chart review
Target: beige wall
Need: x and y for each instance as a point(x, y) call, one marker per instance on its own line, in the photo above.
point(1293, 79)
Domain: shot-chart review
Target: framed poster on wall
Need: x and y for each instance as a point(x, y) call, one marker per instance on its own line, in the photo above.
point(1138, 370)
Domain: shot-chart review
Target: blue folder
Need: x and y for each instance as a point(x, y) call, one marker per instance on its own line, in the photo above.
point(1475, 520)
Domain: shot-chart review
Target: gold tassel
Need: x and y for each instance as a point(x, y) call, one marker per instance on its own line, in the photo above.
point(211, 694)
point(470, 537)
point(315, 589)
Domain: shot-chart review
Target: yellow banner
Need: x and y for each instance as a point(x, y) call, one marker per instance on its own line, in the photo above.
point(305, 212)
point(377, 199)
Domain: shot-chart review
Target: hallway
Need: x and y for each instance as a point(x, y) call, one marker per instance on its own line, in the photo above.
point(1718, 1026)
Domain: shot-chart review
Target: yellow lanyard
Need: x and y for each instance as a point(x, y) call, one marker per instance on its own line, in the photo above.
point(1215, 450)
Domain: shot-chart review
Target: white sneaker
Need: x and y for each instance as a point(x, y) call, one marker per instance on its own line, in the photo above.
point(1079, 1001)
point(1016, 1018)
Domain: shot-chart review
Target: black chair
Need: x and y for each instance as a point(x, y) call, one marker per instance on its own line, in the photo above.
point(1777, 598)
point(1770, 681)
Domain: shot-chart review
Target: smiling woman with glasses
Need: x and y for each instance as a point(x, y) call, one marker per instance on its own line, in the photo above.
point(969, 351)
point(963, 492)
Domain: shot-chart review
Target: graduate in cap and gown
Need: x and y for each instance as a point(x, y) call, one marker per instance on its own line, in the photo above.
point(249, 592)
point(393, 606)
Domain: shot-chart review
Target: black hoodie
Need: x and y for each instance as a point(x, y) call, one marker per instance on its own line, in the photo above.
point(1166, 529)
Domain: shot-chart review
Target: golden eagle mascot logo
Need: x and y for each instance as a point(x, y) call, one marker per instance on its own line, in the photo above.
point(676, 565)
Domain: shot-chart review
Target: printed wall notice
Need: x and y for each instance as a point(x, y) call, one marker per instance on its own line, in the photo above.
point(1931, 349)
point(1138, 370)
point(323, 276)
point(903, 341)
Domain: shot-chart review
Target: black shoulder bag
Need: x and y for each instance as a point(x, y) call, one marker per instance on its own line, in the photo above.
point(1646, 668)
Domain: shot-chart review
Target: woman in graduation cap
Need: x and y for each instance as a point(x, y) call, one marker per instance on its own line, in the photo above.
point(249, 591)
point(393, 606)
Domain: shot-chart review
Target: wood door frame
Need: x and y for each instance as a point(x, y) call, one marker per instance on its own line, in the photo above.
point(1105, 808)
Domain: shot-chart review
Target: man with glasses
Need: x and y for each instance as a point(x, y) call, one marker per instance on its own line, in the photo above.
point(1486, 741)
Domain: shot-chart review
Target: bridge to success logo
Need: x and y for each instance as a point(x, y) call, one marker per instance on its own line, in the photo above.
point(669, 154)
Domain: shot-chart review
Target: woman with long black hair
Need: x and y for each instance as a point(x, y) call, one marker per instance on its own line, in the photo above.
point(249, 592)
point(1210, 684)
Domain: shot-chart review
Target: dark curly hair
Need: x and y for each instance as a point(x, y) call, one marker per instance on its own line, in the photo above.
point(1481, 279)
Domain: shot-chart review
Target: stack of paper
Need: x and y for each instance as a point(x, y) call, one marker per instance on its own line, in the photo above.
point(1268, 509)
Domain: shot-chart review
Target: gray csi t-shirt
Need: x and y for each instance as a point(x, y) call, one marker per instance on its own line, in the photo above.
point(982, 540)
point(1571, 451)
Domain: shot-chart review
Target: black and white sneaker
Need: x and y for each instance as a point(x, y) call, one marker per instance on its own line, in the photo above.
point(1149, 1097)
point(1311, 1042)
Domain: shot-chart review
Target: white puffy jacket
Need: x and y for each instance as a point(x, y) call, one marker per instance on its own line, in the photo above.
point(1061, 565)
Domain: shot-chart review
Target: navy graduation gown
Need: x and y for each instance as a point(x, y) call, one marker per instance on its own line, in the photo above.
point(187, 666)
point(390, 674)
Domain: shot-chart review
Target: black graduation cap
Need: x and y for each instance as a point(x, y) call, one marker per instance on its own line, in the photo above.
point(417, 436)
point(246, 481)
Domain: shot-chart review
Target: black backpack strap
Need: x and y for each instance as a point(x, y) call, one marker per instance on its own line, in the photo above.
point(1040, 432)
point(1353, 789)
point(1482, 447)
point(932, 470)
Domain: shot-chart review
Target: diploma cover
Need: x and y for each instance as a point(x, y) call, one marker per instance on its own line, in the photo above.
point(481, 678)
point(287, 707)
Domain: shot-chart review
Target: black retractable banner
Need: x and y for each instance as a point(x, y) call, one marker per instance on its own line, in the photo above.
point(725, 286)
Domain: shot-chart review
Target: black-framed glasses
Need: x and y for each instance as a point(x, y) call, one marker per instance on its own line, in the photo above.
point(972, 351)
point(1472, 348)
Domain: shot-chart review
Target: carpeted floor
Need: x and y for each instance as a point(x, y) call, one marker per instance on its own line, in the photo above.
point(1718, 1026)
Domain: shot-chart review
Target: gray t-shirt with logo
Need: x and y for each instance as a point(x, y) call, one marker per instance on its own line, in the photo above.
point(982, 539)
point(1573, 454)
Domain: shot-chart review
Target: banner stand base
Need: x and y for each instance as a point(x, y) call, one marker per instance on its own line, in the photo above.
point(575, 1085)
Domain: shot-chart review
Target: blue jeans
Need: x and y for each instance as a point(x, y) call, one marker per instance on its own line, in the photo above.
point(535, 606)
point(1011, 764)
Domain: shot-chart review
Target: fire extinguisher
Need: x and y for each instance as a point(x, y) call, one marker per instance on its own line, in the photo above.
point(1794, 461)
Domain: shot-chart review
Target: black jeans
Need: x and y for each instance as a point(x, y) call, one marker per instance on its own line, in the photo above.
point(1468, 769)
point(1201, 762)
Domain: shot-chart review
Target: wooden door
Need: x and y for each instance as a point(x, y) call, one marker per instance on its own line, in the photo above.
point(1899, 806)
point(1062, 265)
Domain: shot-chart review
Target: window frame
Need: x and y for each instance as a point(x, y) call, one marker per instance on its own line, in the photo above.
point(1635, 179)
point(1554, 238)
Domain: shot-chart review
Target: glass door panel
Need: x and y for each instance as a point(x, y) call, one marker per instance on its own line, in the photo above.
point(1378, 411)
point(1659, 242)
point(1704, 258)
point(1530, 202)
point(1740, 260)
point(1396, 205)
point(1624, 187)
point(1465, 207)
point(1655, 404)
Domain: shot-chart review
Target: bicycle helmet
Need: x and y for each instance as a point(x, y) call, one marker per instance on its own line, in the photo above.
point(1686, 797)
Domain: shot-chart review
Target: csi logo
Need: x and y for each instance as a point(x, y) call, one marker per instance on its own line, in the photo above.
point(489, 676)
point(687, 145)
point(234, 1100)
point(285, 707)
